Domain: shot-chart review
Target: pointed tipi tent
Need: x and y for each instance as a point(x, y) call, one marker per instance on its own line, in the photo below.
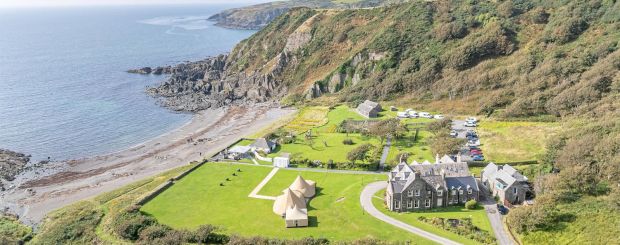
point(288, 199)
point(306, 187)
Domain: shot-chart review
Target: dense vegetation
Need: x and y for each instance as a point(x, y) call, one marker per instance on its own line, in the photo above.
point(511, 59)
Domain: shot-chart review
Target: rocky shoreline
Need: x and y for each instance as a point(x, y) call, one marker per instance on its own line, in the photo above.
point(11, 164)
point(209, 84)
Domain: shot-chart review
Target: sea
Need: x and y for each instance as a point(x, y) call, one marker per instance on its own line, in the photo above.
point(64, 90)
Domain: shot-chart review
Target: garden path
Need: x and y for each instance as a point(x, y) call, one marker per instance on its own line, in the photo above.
point(254, 193)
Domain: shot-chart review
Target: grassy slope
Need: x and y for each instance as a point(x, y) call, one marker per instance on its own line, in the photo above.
point(198, 199)
point(515, 141)
point(591, 222)
point(478, 217)
point(12, 231)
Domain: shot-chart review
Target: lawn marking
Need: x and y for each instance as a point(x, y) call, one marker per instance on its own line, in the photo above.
point(254, 193)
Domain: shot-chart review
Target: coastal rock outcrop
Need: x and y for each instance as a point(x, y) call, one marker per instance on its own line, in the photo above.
point(204, 84)
point(11, 164)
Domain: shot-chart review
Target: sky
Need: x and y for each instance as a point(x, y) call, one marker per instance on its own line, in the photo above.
point(47, 3)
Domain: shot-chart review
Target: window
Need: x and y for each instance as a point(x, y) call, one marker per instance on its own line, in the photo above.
point(453, 192)
point(514, 190)
point(410, 203)
point(499, 185)
point(469, 191)
point(429, 192)
point(427, 203)
point(416, 204)
point(460, 192)
point(439, 192)
point(417, 193)
point(396, 204)
point(410, 193)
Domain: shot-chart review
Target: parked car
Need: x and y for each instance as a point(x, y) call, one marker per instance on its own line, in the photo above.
point(478, 158)
point(401, 114)
point(425, 115)
point(471, 119)
point(473, 147)
point(501, 209)
point(412, 114)
point(471, 133)
point(474, 151)
point(438, 117)
point(454, 134)
point(470, 124)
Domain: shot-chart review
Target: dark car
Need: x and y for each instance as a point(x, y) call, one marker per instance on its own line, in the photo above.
point(501, 209)
point(473, 147)
point(478, 158)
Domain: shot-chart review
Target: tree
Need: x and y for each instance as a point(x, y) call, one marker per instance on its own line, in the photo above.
point(385, 128)
point(439, 126)
point(443, 144)
point(359, 153)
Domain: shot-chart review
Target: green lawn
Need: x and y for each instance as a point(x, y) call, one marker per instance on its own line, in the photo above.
point(514, 141)
point(418, 150)
point(335, 149)
point(477, 216)
point(334, 213)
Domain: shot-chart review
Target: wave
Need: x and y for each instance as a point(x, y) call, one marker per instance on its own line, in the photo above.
point(189, 23)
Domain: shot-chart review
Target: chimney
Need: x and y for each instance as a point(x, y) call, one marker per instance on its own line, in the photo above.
point(416, 175)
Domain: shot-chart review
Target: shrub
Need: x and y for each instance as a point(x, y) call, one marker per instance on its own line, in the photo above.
point(153, 232)
point(471, 204)
point(347, 141)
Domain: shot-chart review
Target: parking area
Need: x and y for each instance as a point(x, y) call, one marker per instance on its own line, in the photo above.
point(470, 151)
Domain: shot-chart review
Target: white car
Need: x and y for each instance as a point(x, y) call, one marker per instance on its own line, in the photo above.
point(470, 124)
point(402, 114)
point(426, 115)
point(471, 119)
point(439, 117)
point(412, 114)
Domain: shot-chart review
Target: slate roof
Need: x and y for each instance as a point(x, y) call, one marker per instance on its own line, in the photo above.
point(455, 169)
point(262, 143)
point(368, 107)
point(456, 175)
point(505, 174)
point(464, 182)
point(239, 149)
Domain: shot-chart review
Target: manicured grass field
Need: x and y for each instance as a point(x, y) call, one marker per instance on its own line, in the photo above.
point(477, 216)
point(515, 141)
point(318, 150)
point(335, 213)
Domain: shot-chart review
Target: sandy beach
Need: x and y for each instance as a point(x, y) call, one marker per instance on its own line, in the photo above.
point(42, 189)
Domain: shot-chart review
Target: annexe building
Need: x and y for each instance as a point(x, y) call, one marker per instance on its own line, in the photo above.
point(426, 186)
point(369, 109)
point(505, 182)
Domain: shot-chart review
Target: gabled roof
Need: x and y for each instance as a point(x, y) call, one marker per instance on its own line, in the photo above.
point(239, 149)
point(456, 169)
point(296, 213)
point(505, 174)
point(446, 159)
point(262, 143)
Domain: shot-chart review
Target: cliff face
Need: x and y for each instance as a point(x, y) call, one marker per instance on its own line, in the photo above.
point(527, 58)
point(258, 16)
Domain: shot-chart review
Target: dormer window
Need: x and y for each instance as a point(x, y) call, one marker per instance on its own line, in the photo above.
point(453, 192)
point(417, 193)
point(428, 192)
point(460, 192)
point(469, 191)
point(439, 192)
point(410, 193)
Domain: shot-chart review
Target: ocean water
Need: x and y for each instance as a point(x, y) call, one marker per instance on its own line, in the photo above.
point(64, 92)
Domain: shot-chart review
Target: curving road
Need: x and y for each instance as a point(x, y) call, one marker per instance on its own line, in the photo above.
point(366, 201)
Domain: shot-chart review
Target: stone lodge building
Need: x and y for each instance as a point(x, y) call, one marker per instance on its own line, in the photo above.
point(425, 186)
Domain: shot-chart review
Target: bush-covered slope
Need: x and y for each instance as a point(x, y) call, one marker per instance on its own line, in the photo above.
point(532, 57)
